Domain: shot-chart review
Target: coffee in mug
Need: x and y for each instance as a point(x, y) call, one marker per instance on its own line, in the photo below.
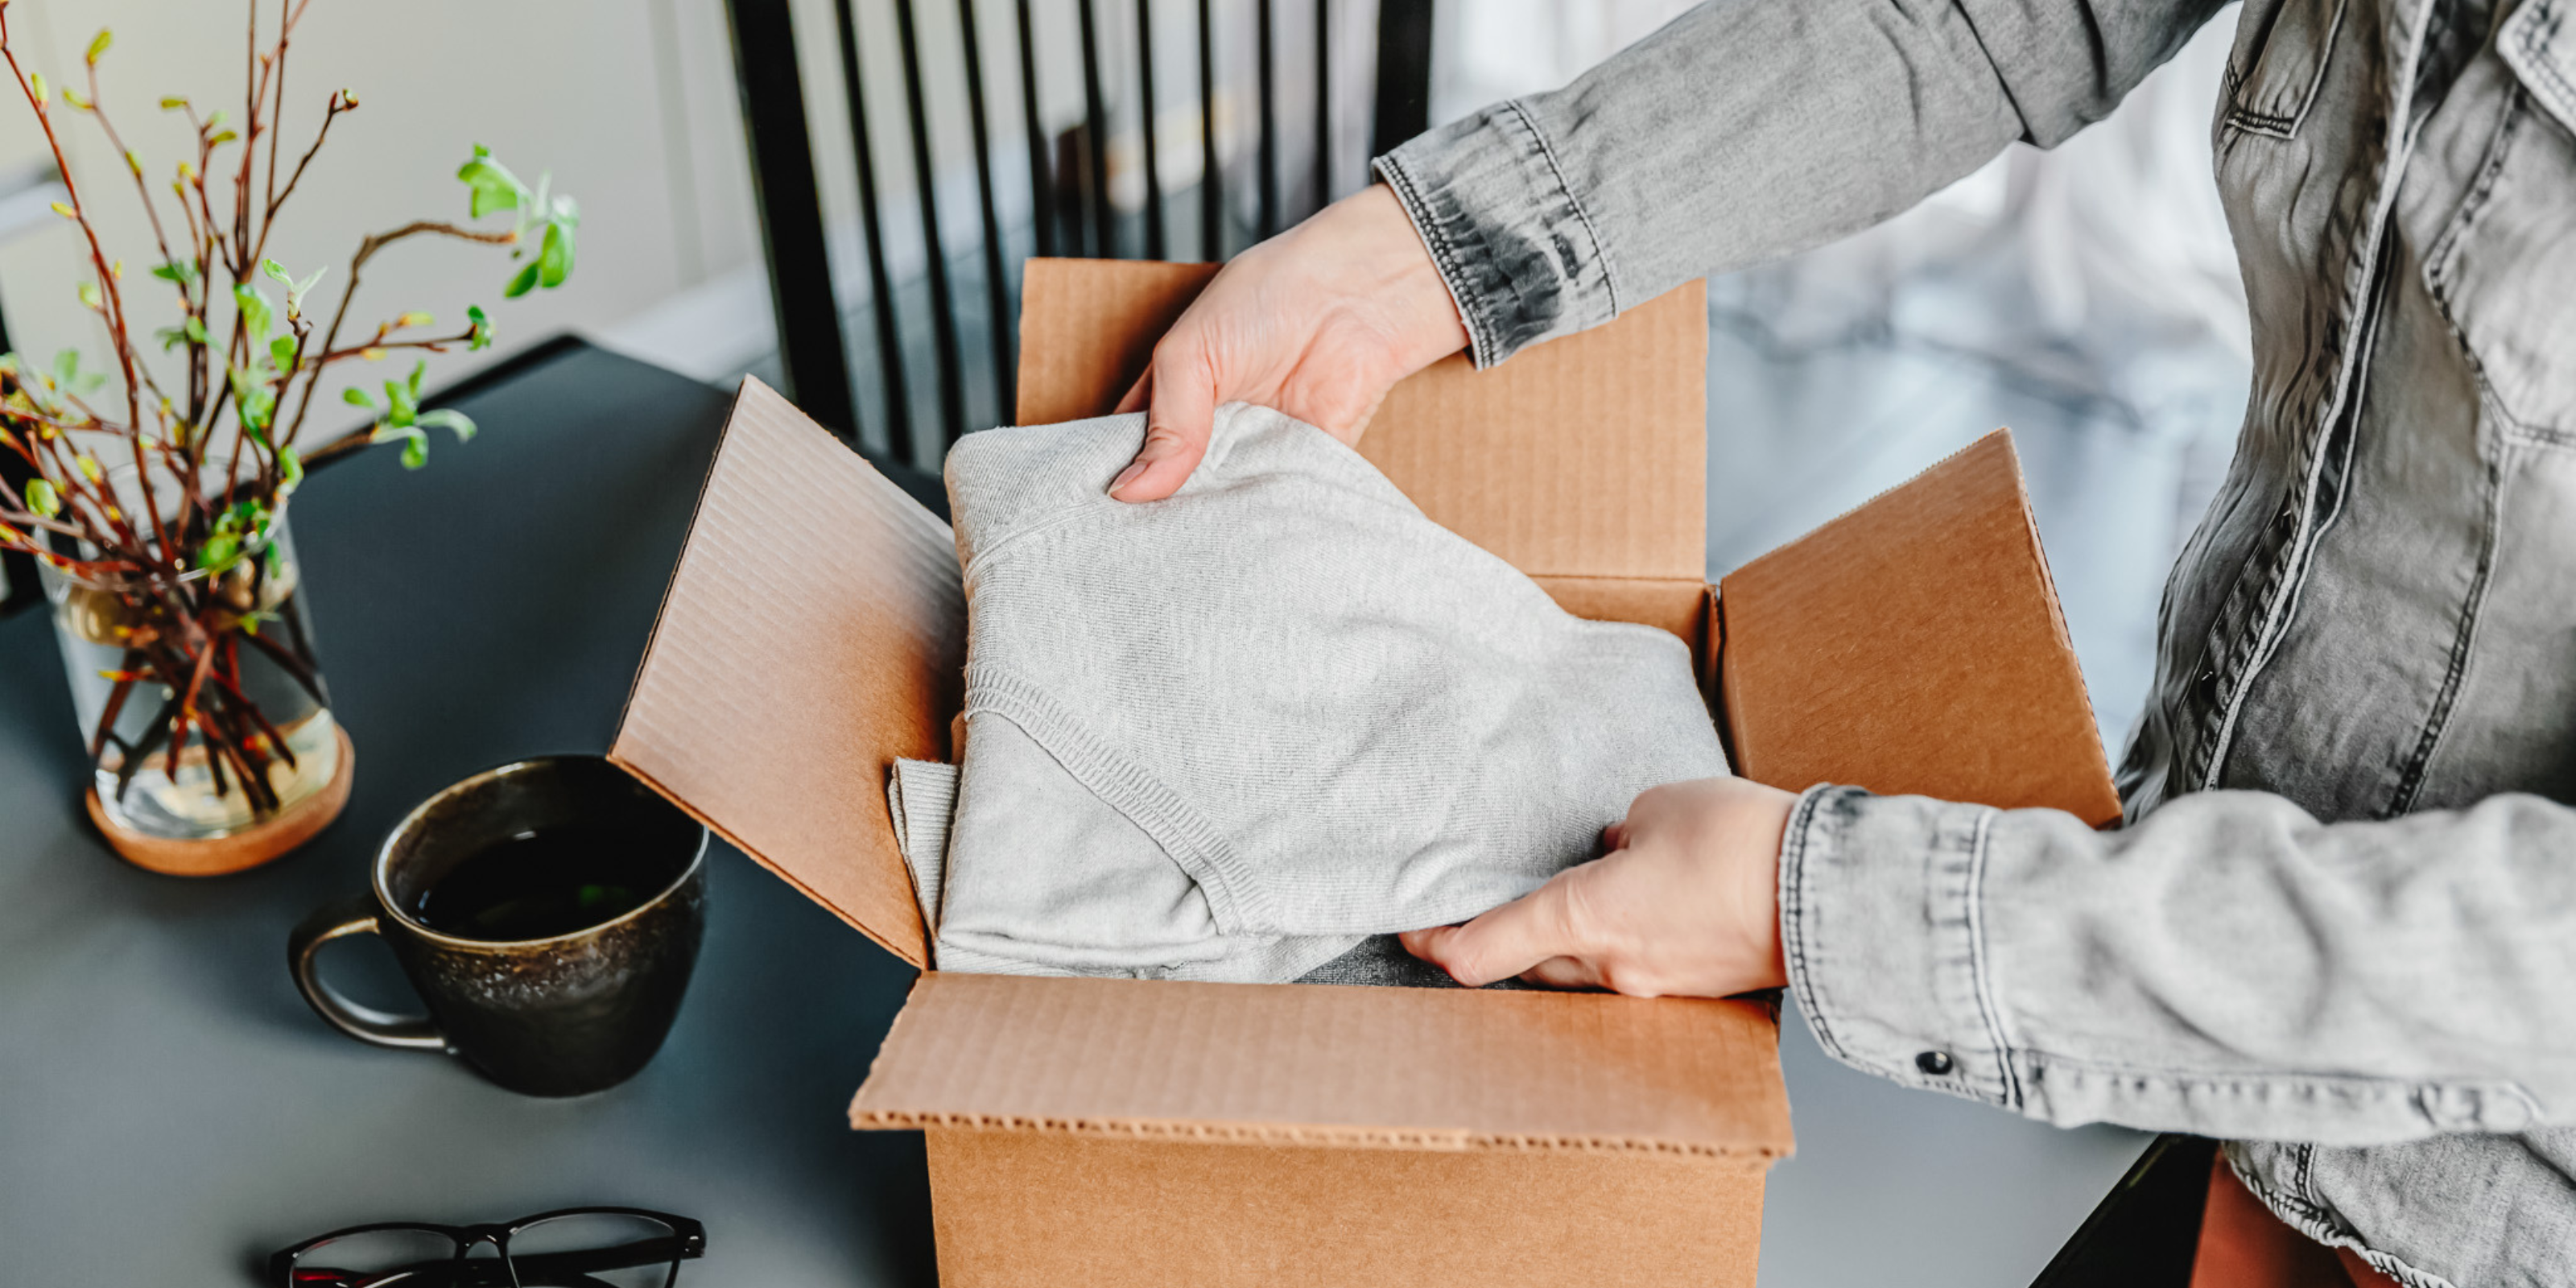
point(548, 913)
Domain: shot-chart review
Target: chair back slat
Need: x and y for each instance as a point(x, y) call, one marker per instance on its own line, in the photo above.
point(1148, 119)
point(966, 296)
point(1041, 186)
point(1267, 23)
point(1323, 102)
point(943, 303)
point(1211, 172)
point(997, 288)
point(1102, 243)
point(816, 368)
point(884, 318)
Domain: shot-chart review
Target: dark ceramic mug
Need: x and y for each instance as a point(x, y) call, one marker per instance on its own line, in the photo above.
point(557, 1016)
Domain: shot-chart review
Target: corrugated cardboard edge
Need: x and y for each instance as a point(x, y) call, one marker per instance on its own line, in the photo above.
point(1302, 1066)
point(1253, 1133)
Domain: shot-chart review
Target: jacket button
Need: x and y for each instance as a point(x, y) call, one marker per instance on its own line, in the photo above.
point(1936, 1063)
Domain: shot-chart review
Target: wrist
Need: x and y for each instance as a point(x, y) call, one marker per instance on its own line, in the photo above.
point(1381, 256)
point(1762, 893)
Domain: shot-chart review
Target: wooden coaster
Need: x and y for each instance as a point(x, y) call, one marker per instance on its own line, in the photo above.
point(237, 851)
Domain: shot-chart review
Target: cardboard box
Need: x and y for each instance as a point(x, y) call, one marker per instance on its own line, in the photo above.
point(1091, 1131)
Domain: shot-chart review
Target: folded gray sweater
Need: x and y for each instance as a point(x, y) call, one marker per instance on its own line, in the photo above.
point(1230, 734)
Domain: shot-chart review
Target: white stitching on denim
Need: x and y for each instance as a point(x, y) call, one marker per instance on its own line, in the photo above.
point(2276, 124)
point(1980, 979)
point(1600, 249)
point(1793, 921)
point(2275, 623)
point(2539, 18)
point(2323, 1227)
point(1444, 256)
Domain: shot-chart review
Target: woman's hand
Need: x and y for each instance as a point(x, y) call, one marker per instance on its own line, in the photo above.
point(1318, 322)
point(1686, 904)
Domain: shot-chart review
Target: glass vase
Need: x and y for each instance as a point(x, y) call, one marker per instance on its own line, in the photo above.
point(201, 704)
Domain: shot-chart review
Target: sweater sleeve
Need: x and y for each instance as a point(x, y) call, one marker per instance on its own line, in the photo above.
point(2227, 966)
point(1746, 130)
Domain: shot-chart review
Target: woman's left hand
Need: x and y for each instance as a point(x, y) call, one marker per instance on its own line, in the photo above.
point(1686, 903)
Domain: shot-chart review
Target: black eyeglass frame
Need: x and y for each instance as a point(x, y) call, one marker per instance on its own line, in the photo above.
point(689, 1234)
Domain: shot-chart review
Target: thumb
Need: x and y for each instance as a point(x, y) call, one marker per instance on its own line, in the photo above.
point(1502, 943)
point(1137, 394)
point(1180, 413)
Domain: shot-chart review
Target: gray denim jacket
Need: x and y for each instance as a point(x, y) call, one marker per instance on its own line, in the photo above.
point(2339, 928)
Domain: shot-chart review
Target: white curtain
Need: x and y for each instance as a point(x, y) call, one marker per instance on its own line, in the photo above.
point(2101, 269)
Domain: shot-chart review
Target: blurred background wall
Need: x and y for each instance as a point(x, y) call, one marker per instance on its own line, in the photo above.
point(628, 103)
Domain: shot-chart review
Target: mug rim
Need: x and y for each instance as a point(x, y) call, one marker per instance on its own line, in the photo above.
point(381, 870)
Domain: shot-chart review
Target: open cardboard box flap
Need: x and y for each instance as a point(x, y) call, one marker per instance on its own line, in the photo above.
point(814, 632)
point(1403, 1068)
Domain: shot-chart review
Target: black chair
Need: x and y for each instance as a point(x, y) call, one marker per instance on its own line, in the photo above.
point(967, 292)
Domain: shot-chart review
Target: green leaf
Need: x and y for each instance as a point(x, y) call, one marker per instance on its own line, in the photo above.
point(253, 402)
point(450, 419)
point(290, 470)
point(98, 45)
point(295, 290)
point(482, 329)
point(170, 337)
point(177, 270)
point(491, 184)
point(220, 551)
point(281, 354)
point(42, 500)
point(415, 441)
point(196, 329)
point(88, 292)
point(356, 397)
point(43, 95)
point(66, 366)
point(401, 409)
point(173, 103)
point(525, 282)
point(554, 259)
point(256, 312)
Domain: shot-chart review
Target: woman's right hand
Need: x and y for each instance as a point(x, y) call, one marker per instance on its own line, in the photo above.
point(1318, 322)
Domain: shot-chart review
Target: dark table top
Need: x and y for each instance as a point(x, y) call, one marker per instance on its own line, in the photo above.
point(170, 1111)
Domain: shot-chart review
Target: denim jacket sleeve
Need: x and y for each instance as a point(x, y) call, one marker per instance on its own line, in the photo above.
point(2227, 966)
point(1746, 130)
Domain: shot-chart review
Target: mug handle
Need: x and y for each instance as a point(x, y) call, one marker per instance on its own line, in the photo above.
point(355, 916)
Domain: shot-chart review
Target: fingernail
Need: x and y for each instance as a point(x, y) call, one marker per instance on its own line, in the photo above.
point(1126, 476)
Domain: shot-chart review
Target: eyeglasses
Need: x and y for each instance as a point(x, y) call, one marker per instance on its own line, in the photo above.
point(591, 1247)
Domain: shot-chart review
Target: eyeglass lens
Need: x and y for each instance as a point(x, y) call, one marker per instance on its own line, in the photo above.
point(395, 1258)
point(595, 1250)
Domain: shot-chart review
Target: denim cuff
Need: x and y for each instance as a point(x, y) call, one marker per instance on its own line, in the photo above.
point(1879, 922)
point(1521, 257)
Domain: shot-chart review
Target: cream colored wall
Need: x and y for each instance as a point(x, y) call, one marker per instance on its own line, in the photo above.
point(629, 103)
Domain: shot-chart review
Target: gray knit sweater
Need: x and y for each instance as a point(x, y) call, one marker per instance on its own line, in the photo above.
point(1228, 734)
